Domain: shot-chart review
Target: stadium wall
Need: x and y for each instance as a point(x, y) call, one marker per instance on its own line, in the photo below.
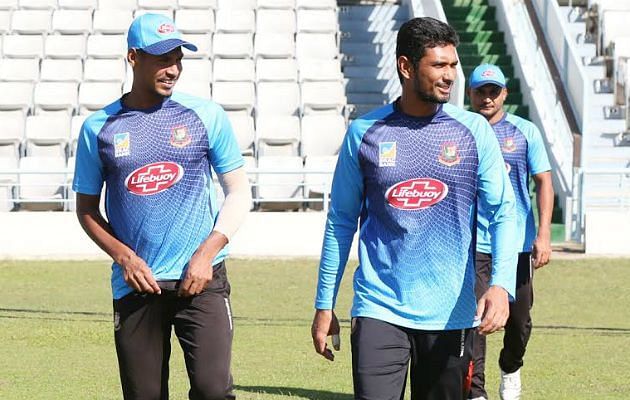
point(58, 235)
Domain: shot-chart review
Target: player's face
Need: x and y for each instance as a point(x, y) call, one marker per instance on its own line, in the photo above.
point(158, 74)
point(435, 74)
point(487, 100)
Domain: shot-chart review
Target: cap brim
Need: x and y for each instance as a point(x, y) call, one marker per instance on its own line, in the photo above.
point(479, 84)
point(167, 45)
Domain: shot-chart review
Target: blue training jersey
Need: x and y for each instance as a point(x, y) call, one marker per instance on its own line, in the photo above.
point(160, 200)
point(414, 184)
point(524, 154)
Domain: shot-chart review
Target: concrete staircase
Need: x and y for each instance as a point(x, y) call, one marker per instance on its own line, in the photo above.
point(483, 42)
point(368, 44)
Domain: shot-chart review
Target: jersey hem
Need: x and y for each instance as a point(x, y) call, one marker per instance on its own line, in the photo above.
point(429, 326)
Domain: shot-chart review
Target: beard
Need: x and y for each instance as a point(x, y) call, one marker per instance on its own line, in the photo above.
point(428, 96)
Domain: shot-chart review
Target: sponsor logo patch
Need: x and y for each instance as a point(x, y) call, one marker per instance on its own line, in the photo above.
point(122, 144)
point(508, 145)
point(387, 154)
point(416, 194)
point(154, 178)
point(180, 137)
point(166, 28)
point(449, 154)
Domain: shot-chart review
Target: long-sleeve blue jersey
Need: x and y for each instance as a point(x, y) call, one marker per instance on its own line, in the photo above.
point(413, 185)
point(155, 163)
point(524, 154)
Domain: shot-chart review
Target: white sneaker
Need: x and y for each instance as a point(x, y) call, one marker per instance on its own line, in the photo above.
point(479, 398)
point(510, 388)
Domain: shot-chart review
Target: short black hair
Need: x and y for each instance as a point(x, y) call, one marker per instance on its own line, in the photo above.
point(419, 34)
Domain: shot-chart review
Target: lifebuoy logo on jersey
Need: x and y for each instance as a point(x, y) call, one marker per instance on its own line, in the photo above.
point(416, 194)
point(154, 178)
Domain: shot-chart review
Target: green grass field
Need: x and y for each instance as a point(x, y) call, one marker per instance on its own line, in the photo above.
point(56, 333)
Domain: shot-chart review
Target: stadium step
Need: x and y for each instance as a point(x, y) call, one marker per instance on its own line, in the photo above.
point(368, 45)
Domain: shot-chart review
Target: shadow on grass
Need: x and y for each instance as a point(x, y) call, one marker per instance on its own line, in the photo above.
point(300, 392)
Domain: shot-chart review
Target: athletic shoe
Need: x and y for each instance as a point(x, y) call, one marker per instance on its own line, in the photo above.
point(479, 398)
point(510, 388)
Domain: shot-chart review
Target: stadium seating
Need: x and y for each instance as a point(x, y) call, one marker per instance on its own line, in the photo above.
point(39, 190)
point(7, 182)
point(260, 59)
point(280, 191)
point(318, 183)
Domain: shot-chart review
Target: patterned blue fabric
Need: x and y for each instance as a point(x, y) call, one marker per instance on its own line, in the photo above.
point(160, 200)
point(414, 185)
point(524, 154)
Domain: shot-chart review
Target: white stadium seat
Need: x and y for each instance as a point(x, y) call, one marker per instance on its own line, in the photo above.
point(317, 21)
point(78, 4)
point(8, 4)
point(234, 69)
point(203, 42)
point(96, 95)
point(277, 4)
point(195, 88)
point(55, 96)
point(113, 21)
point(23, 46)
point(141, 11)
point(60, 70)
point(244, 4)
point(233, 45)
point(72, 21)
point(280, 186)
point(275, 21)
point(198, 4)
point(7, 182)
point(316, 4)
point(31, 22)
point(316, 45)
point(117, 4)
point(38, 191)
point(47, 134)
point(158, 4)
point(104, 70)
point(276, 69)
point(274, 45)
point(19, 69)
point(275, 98)
point(613, 24)
point(278, 129)
point(75, 129)
point(322, 134)
point(64, 46)
point(243, 127)
point(318, 183)
point(194, 21)
point(320, 70)
point(322, 96)
point(234, 95)
point(12, 131)
point(196, 70)
point(106, 46)
point(231, 20)
point(16, 95)
point(5, 21)
point(38, 4)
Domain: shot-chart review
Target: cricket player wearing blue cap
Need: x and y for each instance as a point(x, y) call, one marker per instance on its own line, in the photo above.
point(154, 150)
point(524, 156)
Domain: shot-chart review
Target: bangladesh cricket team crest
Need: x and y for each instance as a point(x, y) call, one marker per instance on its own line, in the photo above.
point(180, 137)
point(449, 154)
point(509, 146)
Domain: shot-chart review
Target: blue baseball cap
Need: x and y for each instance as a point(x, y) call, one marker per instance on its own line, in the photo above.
point(486, 73)
point(155, 34)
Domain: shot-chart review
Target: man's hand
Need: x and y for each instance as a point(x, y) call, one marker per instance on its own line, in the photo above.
point(198, 274)
point(138, 275)
point(325, 323)
point(493, 309)
point(541, 251)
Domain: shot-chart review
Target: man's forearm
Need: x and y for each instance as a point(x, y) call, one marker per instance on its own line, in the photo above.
point(544, 201)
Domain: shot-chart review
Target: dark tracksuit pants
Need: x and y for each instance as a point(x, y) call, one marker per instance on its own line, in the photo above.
point(517, 329)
